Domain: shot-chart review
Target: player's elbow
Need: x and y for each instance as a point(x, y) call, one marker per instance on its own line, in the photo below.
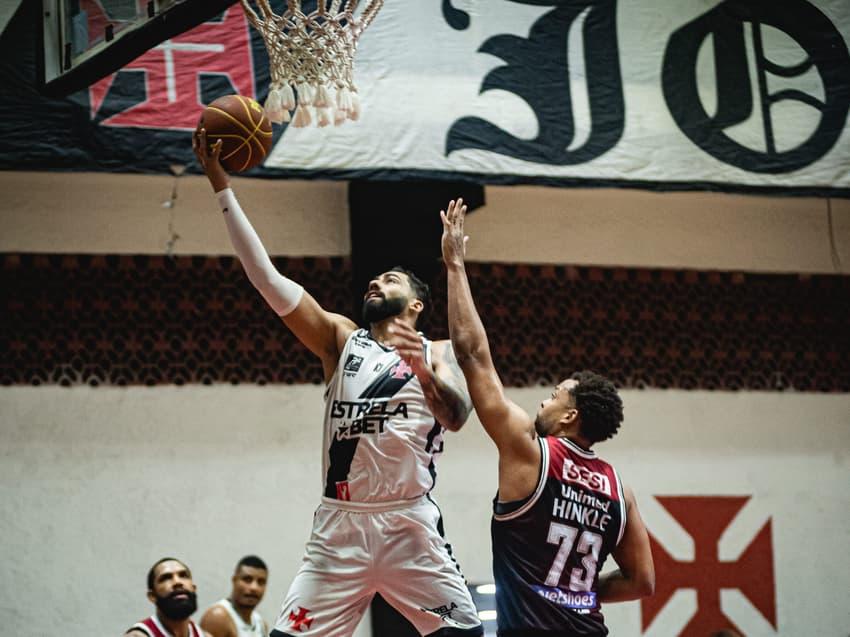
point(645, 583)
point(469, 352)
point(452, 425)
point(463, 350)
point(261, 279)
point(458, 417)
point(266, 283)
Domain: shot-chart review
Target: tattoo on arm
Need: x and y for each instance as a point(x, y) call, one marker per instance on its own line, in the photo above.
point(446, 392)
point(454, 393)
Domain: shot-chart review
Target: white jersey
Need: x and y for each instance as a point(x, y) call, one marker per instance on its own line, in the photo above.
point(257, 627)
point(380, 439)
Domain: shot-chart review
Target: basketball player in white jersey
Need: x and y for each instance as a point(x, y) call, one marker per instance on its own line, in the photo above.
point(376, 530)
point(237, 615)
point(171, 588)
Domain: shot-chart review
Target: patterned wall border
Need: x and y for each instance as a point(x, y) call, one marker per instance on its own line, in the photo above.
point(148, 320)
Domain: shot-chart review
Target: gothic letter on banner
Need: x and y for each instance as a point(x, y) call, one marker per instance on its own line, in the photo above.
point(540, 70)
point(737, 30)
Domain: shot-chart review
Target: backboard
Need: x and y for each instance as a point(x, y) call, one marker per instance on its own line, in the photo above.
point(85, 40)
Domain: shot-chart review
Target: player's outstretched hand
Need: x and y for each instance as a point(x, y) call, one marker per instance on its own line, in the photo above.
point(408, 343)
point(208, 159)
point(454, 241)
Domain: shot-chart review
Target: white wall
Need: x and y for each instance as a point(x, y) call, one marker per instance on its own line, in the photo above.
point(96, 484)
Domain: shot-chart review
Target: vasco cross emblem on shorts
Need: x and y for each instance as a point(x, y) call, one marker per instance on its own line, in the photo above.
point(300, 619)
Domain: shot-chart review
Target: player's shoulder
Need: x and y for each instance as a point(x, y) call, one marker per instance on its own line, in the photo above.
point(343, 323)
point(217, 609)
point(216, 621)
point(344, 327)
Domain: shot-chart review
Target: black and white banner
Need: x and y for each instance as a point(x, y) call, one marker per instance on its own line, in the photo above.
point(731, 95)
point(753, 92)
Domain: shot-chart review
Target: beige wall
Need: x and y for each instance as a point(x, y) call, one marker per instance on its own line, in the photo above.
point(127, 214)
point(96, 484)
point(108, 213)
point(669, 230)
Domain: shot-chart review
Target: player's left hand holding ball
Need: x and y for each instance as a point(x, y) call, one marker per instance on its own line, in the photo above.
point(208, 158)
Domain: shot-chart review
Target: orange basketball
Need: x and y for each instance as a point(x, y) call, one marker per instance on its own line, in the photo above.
point(243, 128)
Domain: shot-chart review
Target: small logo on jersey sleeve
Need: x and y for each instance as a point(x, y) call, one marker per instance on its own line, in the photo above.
point(585, 600)
point(342, 491)
point(352, 364)
point(583, 476)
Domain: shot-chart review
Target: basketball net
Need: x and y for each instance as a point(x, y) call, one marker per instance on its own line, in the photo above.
point(311, 56)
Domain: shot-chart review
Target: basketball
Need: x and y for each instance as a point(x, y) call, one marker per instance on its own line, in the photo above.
point(243, 128)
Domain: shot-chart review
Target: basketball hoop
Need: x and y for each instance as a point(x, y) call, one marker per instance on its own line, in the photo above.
point(311, 55)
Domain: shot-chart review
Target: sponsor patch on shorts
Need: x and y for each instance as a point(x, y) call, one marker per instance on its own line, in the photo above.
point(342, 491)
point(585, 600)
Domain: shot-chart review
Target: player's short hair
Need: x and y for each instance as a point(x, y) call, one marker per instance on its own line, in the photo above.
point(160, 561)
point(251, 561)
point(599, 405)
point(421, 289)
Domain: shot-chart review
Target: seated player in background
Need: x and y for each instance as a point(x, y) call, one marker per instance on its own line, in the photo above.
point(560, 509)
point(171, 589)
point(237, 615)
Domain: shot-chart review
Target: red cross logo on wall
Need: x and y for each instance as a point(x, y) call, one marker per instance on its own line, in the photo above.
point(705, 519)
point(172, 74)
point(300, 619)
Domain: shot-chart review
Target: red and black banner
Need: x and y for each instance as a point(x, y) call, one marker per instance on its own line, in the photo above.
point(744, 96)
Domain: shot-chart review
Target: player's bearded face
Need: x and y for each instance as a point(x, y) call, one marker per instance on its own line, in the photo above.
point(378, 308)
point(178, 604)
point(550, 412)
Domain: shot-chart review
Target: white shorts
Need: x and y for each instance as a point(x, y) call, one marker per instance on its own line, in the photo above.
point(353, 554)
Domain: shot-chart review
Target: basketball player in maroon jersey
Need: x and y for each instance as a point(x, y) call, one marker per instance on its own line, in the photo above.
point(560, 509)
point(171, 588)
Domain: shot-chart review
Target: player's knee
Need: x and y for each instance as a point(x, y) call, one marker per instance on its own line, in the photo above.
point(475, 631)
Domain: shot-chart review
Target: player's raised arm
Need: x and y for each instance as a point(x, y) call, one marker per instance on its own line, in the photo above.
point(506, 423)
point(323, 333)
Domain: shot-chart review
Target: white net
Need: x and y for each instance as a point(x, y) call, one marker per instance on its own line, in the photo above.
point(311, 58)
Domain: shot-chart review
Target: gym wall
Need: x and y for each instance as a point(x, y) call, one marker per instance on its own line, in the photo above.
point(743, 487)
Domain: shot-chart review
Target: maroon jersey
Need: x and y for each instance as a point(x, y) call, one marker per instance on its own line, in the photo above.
point(548, 549)
point(152, 627)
